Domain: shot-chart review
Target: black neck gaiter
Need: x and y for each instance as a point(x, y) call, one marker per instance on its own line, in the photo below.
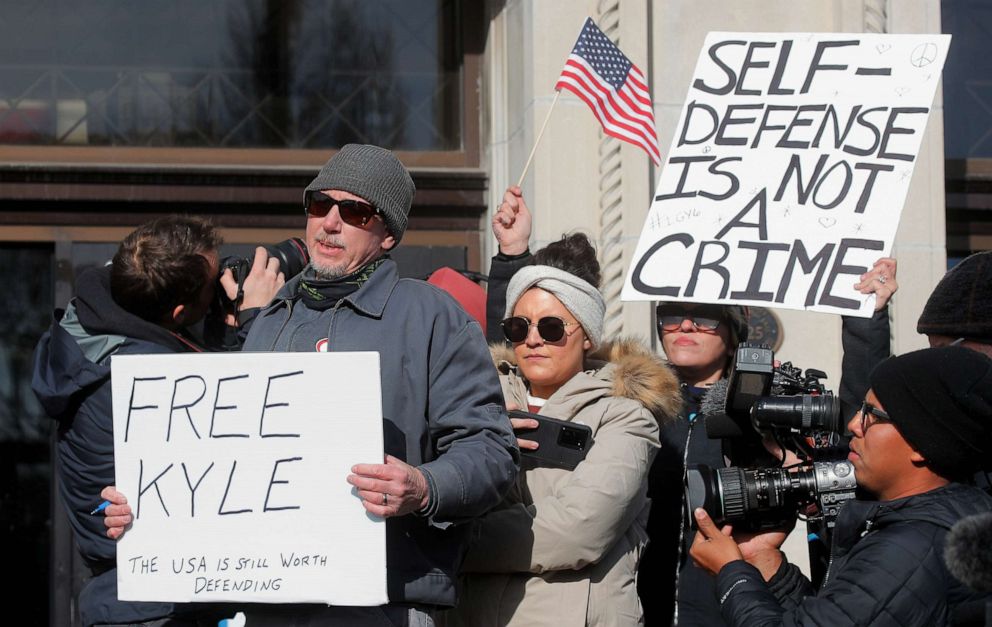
point(322, 294)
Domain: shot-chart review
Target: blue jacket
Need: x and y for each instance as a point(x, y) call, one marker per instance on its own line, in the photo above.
point(442, 411)
point(886, 569)
point(72, 380)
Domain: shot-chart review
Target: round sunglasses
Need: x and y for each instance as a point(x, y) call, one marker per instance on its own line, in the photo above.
point(550, 328)
point(353, 212)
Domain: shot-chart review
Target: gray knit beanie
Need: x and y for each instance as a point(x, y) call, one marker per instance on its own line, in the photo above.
point(578, 296)
point(961, 304)
point(376, 175)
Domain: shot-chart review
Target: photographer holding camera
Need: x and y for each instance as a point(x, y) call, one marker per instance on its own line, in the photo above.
point(161, 281)
point(924, 428)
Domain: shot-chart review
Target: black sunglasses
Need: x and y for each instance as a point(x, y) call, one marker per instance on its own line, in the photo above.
point(550, 328)
point(353, 212)
point(703, 317)
point(869, 409)
point(699, 323)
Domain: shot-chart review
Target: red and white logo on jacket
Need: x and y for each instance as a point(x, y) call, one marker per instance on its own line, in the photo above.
point(321, 346)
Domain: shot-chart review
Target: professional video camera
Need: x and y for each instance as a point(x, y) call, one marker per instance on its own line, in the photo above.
point(796, 411)
point(766, 498)
point(293, 257)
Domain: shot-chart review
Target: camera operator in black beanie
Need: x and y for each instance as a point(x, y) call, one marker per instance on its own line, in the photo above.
point(924, 428)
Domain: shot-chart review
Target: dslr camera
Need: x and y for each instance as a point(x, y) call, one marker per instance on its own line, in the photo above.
point(216, 335)
point(291, 253)
point(794, 409)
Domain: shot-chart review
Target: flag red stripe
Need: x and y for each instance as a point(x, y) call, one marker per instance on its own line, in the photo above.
point(609, 128)
point(638, 116)
point(615, 130)
point(637, 141)
point(625, 95)
point(605, 111)
point(611, 110)
point(637, 113)
point(637, 80)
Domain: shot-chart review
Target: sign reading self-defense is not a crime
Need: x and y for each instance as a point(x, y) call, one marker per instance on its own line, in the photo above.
point(235, 468)
point(788, 169)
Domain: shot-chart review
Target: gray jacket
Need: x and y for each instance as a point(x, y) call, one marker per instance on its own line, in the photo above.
point(442, 411)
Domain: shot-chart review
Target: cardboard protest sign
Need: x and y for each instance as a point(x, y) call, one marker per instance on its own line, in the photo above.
point(788, 169)
point(235, 467)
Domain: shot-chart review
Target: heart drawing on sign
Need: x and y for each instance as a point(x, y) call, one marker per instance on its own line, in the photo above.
point(902, 91)
point(827, 222)
point(883, 48)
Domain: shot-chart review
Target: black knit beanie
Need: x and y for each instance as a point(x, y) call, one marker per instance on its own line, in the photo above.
point(376, 175)
point(940, 399)
point(961, 304)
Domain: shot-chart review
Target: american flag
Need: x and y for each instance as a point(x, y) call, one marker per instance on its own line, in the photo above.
point(598, 73)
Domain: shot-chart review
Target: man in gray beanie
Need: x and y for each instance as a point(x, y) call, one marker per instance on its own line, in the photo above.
point(450, 452)
point(924, 427)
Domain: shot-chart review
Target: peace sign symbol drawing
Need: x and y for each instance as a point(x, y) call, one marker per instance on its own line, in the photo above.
point(923, 55)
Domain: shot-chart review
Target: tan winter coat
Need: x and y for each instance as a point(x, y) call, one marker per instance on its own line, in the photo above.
point(563, 548)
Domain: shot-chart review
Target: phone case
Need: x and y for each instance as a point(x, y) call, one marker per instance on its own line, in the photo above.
point(561, 444)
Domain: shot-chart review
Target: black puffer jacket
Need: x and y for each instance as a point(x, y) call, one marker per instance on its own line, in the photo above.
point(887, 568)
point(72, 380)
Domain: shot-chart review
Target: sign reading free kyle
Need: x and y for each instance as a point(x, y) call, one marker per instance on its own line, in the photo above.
point(788, 169)
point(235, 467)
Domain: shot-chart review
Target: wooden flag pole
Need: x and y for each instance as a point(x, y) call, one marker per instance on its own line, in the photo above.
point(537, 141)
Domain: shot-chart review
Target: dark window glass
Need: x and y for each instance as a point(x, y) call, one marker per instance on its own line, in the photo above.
point(968, 79)
point(25, 430)
point(231, 73)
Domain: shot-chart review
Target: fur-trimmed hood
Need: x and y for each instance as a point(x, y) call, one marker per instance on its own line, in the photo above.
point(637, 374)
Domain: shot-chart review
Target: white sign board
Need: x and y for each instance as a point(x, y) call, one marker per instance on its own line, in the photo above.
point(235, 467)
point(788, 169)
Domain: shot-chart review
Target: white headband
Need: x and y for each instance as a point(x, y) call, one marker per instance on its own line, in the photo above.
point(582, 299)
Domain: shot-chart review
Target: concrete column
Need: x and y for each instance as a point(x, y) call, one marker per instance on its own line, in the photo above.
point(920, 246)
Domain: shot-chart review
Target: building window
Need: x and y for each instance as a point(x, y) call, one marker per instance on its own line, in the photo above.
point(236, 74)
point(968, 79)
point(968, 126)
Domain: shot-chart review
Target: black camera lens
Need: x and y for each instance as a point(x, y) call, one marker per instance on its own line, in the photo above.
point(749, 499)
point(216, 334)
point(292, 254)
point(765, 498)
point(804, 412)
